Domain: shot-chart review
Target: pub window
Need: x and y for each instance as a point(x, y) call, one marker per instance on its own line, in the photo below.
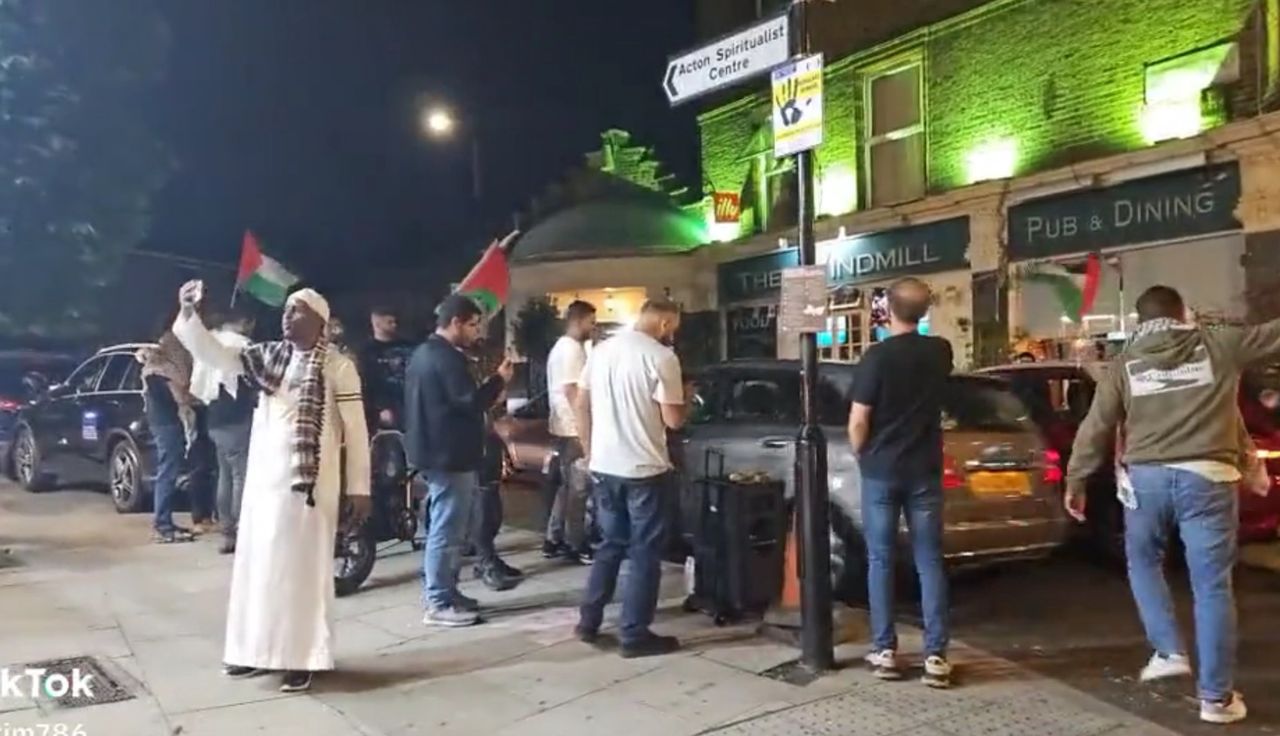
point(895, 135)
point(1180, 99)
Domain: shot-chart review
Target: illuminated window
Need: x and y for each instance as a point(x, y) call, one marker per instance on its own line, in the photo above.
point(895, 135)
point(1174, 87)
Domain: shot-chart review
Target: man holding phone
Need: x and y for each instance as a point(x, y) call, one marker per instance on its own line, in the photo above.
point(444, 415)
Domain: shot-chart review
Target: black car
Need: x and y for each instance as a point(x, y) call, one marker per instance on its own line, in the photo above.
point(22, 372)
point(90, 429)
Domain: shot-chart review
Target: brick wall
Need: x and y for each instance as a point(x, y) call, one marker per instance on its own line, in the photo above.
point(1063, 78)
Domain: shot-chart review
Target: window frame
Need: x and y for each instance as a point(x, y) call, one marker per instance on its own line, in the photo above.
point(102, 361)
point(869, 142)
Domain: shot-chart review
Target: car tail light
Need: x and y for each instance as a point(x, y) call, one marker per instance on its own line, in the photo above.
point(9, 405)
point(952, 476)
point(1052, 466)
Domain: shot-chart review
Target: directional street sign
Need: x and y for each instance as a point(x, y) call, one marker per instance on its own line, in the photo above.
point(797, 106)
point(734, 58)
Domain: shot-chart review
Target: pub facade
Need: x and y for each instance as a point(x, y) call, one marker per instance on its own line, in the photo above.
point(1013, 172)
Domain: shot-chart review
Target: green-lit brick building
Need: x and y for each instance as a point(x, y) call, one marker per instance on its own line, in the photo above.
point(991, 148)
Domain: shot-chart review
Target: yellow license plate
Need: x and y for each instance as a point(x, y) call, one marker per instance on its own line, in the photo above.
point(1000, 483)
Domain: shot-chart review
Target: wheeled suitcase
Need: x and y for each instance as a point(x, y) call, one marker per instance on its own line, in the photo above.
point(737, 545)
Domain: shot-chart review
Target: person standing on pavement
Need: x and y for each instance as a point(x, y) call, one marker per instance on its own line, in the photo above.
point(567, 512)
point(382, 365)
point(487, 510)
point(630, 393)
point(280, 613)
point(895, 428)
point(231, 400)
point(171, 419)
point(1172, 394)
point(444, 414)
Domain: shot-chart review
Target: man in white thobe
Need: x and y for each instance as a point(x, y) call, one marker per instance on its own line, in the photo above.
point(310, 413)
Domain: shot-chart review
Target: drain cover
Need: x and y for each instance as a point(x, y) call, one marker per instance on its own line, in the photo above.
point(97, 686)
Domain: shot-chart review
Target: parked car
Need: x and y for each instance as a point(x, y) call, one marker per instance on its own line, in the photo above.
point(22, 372)
point(1059, 395)
point(1002, 482)
point(90, 429)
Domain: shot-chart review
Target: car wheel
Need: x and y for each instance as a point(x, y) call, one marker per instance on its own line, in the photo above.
point(27, 464)
point(848, 559)
point(124, 478)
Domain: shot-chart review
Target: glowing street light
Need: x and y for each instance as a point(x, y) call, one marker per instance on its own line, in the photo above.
point(438, 122)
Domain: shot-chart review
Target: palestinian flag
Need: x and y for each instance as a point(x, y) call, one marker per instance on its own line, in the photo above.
point(489, 280)
point(260, 276)
point(1076, 291)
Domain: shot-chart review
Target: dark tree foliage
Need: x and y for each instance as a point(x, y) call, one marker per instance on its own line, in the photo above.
point(78, 166)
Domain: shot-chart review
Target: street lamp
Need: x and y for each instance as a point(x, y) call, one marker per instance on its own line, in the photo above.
point(440, 124)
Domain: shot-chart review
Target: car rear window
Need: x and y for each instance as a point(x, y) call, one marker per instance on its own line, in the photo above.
point(978, 405)
point(13, 371)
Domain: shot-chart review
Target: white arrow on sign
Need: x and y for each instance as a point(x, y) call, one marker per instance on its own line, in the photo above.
point(739, 56)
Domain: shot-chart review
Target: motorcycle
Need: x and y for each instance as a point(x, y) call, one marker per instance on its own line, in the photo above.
point(396, 509)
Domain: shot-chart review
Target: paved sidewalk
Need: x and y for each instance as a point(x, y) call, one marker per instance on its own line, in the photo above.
point(153, 616)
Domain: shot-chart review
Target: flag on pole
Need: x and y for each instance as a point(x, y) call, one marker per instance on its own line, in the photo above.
point(261, 276)
point(1076, 292)
point(489, 281)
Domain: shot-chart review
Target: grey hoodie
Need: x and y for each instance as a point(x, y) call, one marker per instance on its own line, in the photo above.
point(1175, 394)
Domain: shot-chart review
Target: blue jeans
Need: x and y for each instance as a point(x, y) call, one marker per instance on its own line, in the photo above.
point(448, 511)
point(1206, 517)
point(633, 526)
point(171, 447)
point(884, 501)
point(232, 444)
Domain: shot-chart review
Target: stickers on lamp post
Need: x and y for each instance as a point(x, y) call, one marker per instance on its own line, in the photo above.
point(797, 106)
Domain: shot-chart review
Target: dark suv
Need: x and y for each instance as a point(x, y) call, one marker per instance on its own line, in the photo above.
point(91, 430)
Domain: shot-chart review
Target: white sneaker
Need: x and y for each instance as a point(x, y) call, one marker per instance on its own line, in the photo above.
point(451, 617)
point(1164, 666)
point(937, 672)
point(884, 664)
point(1231, 711)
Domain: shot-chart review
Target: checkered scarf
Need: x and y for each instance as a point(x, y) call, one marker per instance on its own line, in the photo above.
point(266, 364)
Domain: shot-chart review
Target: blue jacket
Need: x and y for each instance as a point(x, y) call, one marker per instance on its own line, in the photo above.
point(444, 409)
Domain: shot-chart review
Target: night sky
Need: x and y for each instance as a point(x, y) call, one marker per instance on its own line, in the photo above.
point(298, 118)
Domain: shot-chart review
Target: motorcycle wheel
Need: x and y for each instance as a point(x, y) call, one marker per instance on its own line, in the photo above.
point(354, 555)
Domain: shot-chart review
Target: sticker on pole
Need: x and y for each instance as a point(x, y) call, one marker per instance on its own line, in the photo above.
point(797, 106)
point(803, 306)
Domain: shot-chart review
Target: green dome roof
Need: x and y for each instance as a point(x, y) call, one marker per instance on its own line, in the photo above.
point(618, 224)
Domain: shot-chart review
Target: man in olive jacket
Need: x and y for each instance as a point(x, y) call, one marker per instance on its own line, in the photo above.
point(1172, 393)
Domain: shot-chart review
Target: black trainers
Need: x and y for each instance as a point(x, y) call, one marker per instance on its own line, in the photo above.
point(508, 570)
point(650, 646)
point(496, 579)
point(295, 681)
point(586, 555)
point(237, 672)
point(552, 550)
point(228, 547)
point(586, 634)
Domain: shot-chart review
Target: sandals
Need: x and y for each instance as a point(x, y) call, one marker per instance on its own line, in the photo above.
point(177, 535)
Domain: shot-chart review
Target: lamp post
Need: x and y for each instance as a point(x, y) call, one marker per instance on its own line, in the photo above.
point(439, 123)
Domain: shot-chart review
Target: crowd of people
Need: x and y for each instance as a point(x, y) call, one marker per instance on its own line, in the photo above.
point(1166, 413)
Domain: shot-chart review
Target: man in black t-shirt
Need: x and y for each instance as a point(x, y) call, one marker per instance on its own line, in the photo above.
point(895, 427)
point(382, 364)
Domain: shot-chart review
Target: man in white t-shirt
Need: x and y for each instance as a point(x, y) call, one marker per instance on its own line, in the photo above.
point(566, 515)
point(630, 394)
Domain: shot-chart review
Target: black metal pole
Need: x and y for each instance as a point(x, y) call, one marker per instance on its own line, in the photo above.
point(816, 640)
